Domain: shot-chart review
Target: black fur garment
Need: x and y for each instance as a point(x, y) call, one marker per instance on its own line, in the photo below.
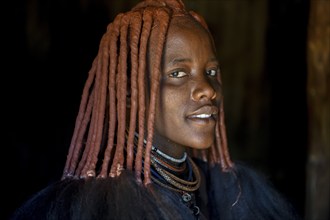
point(240, 194)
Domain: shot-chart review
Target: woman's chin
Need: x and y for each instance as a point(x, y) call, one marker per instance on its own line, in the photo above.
point(201, 146)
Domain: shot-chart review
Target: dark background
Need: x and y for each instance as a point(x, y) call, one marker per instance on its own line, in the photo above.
point(48, 47)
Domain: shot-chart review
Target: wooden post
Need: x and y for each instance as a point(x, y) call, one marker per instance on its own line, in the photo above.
point(318, 93)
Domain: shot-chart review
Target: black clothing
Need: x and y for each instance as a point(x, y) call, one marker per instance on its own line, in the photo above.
point(241, 194)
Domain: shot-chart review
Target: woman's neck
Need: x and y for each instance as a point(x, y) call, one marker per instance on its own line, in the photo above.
point(168, 147)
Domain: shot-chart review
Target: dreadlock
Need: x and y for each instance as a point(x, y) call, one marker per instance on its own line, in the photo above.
point(103, 139)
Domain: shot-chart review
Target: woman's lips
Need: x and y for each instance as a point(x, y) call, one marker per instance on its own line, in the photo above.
point(205, 111)
point(204, 115)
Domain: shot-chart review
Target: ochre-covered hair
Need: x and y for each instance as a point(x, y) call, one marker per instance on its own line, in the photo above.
point(103, 140)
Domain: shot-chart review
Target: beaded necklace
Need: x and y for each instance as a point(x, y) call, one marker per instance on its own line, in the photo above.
point(178, 175)
point(185, 188)
point(164, 155)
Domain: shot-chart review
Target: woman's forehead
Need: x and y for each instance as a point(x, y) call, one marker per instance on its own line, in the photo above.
point(185, 21)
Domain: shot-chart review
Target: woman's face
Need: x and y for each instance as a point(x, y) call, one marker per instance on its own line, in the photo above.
point(189, 98)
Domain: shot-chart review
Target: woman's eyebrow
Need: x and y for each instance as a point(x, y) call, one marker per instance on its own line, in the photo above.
point(187, 60)
point(179, 60)
point(213, 59)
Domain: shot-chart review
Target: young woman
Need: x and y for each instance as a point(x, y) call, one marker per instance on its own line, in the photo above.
point(150, 140)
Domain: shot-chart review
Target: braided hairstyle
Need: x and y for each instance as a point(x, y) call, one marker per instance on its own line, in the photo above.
point(103, 140)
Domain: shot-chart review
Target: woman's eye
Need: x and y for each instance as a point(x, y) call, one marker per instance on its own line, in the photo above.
point(177, 74)
point(212, 72)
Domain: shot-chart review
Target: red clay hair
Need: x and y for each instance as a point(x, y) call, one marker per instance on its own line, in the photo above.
point(103, 140)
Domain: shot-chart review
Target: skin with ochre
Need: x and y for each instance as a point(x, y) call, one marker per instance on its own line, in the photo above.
point(189, 90)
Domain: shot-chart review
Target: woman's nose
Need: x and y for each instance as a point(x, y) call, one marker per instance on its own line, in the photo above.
point(203, 89)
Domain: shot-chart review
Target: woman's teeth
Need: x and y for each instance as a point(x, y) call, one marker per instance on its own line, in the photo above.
point(202, 116)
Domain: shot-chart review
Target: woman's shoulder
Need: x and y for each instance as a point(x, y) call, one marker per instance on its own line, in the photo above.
point(243, 192)
point(39, 205)
point(121, 197)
